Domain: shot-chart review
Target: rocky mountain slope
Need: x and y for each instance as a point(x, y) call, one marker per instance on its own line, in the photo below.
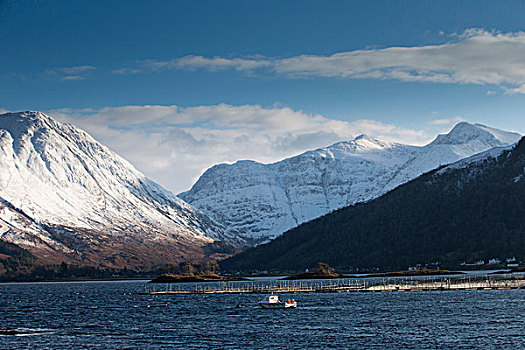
point(468, 211)
point(261, 201)
point(66, 197)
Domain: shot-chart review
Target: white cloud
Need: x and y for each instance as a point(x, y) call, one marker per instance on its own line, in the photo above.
point(70, 73)
point(446, 121)
point(72, 77)
point(479, 57)
point(211, 64)
point(75, 69)
point(124, 71)
point(175, 145)
point(516, 90)
point(475, 56)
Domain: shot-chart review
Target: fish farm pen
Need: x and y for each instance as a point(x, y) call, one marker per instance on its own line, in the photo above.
point(343, 286)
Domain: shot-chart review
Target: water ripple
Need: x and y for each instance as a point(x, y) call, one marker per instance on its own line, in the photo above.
point(113, 316)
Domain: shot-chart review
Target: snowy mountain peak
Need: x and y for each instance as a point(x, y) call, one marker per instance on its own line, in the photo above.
point(366, 141)
point(27, 117)
point(64, 182)
point(464, 132)
point(364, 137)
point(27, 122)
point(361, 145)
point(505, 137)
point(18, 124)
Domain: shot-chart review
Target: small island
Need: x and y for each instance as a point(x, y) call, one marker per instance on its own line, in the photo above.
point(321, 271)
point(179, 278)
point(188, 272)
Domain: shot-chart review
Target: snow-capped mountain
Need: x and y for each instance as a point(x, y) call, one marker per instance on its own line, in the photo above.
point(261, 201)
point(468, 211)
point(63, 195)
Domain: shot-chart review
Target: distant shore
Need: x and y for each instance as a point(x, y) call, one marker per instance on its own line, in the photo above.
point(313, 276)
point(504, 272)
point(168, 278)
point(409, 273)
point(80, 279)
point(197, 278)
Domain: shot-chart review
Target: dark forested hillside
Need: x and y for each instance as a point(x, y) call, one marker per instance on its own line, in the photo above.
point(14, 260)
point(449, 215)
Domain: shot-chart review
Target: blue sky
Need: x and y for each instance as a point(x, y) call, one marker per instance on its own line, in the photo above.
point(177, 86)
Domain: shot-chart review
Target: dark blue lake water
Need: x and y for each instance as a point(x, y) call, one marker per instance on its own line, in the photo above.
point(110, 315)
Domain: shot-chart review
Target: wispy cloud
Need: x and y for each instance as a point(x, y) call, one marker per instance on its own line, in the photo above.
point(75, 69)
point(175, 145)
point(70, 73)
point(72, 77)
point(446, 121)
point(124, 71)
point(210, 64)
point(478, 57)
point(475, 56)
point(516, 90)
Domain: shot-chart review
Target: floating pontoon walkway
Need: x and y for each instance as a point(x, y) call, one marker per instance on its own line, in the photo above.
point(347, 286)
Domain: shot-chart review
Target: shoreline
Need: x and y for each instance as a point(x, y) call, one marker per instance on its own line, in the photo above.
point(412, 273)
point(194, 279)
point(283, 277)
point(69, 280)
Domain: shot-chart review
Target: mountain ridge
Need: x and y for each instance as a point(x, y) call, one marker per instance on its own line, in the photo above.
point(463, 212)
point(263, 200)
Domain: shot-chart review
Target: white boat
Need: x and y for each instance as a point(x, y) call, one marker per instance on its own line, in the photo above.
point(273, 302)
